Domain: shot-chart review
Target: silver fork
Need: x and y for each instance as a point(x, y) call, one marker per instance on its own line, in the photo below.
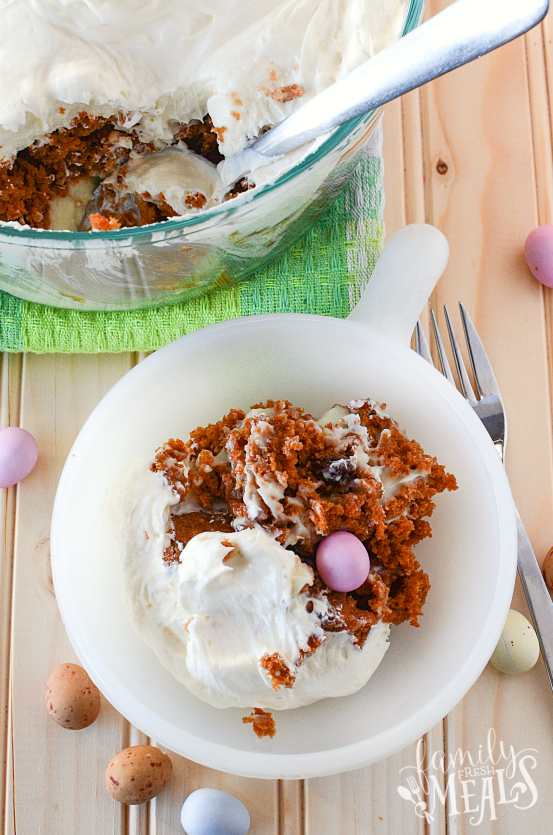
point(488, 405)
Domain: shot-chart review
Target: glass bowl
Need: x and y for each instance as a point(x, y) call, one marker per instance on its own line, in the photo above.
point(178, 260)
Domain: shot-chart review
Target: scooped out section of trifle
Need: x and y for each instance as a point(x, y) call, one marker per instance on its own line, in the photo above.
point(224, 537)
point(116, 113)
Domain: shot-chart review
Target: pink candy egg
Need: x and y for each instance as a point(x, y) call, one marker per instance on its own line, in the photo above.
point(343, 561)
point(539, 254)
point(18, 455)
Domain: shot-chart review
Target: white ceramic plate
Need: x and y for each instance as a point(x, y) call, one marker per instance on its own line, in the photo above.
point(314, 362)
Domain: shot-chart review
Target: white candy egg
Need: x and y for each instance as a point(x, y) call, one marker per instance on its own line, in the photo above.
point(213, 812)
point(517, 649)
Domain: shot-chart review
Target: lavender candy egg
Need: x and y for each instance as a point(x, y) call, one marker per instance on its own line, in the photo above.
point(214, 812)
point(18, 455)
point(538, 250)
point(343, 561)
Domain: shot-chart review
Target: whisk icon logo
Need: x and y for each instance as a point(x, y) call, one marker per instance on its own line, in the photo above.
point(468, 783)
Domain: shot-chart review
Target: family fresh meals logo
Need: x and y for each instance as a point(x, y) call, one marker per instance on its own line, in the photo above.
point(470, 784)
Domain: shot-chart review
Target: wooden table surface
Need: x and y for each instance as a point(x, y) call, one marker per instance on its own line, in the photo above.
point(470, 153)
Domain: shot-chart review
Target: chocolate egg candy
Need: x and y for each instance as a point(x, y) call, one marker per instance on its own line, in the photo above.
point(343, 561)
point(539, 254)
point(547, 569)
point(18, 455)
point(517, 649)
point(72, 698)
point(137, 774)
point(213, 812)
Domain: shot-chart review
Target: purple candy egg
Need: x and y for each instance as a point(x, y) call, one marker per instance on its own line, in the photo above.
point(18, 455)
point(343, 561)
point(539, 254)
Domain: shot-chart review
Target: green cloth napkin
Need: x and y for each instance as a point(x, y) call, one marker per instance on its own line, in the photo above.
point(323, 273)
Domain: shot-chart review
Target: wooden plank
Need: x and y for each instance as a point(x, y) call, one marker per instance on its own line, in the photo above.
point(291, 807)
point(9, 416)
point(57, 774)
point(413, 155)
point(485, 202)
point(482, 192)
point(259, 796)
point(436, 745)
point(394, 168)
point(547, 29)
point(540, 64)
point(516, 710)
point(138, 818)
point(540, 113)
point(363, 801)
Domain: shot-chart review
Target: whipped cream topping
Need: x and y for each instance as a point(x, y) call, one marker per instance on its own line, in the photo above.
point(175, 174)
point(248, 63)
point(233, 599)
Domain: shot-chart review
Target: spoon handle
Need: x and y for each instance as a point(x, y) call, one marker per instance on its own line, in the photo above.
point(460, 33)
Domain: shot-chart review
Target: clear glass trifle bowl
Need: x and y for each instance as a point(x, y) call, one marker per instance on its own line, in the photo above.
point(178, 260)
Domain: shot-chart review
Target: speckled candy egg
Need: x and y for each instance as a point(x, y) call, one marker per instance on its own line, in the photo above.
point(137, 774)
point(18, 455)
point(213, 812)
point(539, 254)
point(342, 561)
point(72, 698)
point(518, 649)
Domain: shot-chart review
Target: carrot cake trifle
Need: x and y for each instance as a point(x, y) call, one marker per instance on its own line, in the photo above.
point(116, 112)
point(266, 557)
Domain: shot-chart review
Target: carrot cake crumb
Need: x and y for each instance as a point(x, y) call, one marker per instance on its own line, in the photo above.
point(196, 200)
point(292, 91)
point(99, 223)
point(219, 132)
point(278, 671)
point(262, 721)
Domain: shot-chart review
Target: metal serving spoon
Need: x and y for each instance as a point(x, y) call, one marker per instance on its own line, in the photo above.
point(464, 31)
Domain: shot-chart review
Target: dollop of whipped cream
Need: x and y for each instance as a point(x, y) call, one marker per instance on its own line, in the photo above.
point(248, 63)
point(233, 602)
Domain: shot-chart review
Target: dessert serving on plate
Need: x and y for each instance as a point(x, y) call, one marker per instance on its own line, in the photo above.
point(115, 112)
point(314, 362)
point(238, 562)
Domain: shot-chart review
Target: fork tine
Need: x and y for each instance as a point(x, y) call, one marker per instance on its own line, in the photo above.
point(481, 366)
point(421, 345)
point(466, 385)
point(446, 370)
